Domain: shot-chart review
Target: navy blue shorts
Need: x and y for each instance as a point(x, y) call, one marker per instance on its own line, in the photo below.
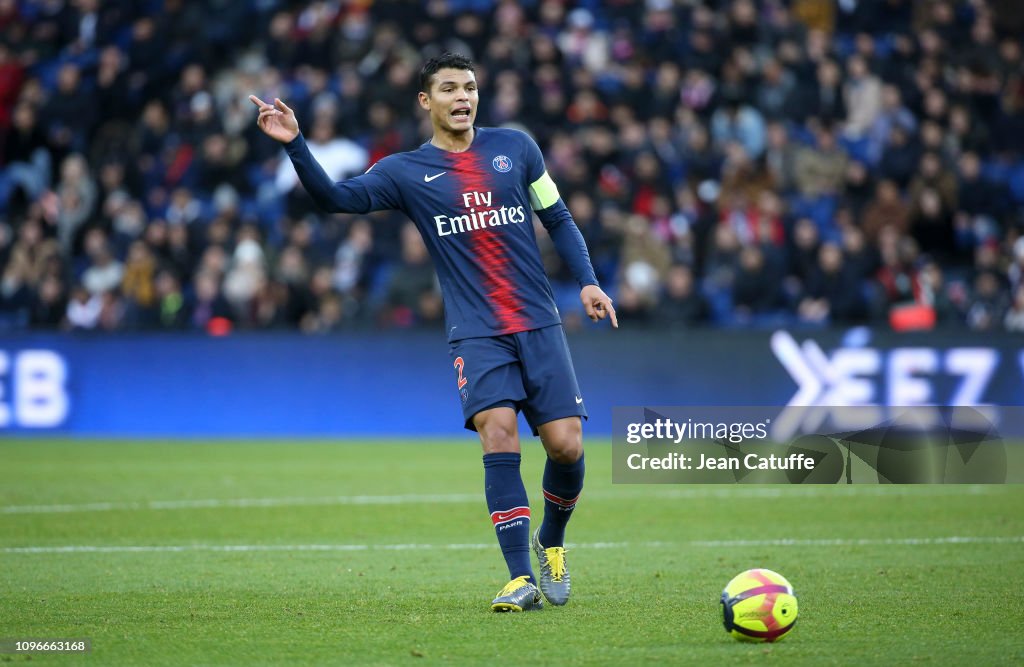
point(529, 371)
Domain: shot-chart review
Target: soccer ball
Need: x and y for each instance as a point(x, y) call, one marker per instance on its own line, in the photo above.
point(758, 606)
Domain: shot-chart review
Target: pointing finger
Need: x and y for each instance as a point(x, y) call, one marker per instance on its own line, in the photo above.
point(258, 102)
point(611, 312)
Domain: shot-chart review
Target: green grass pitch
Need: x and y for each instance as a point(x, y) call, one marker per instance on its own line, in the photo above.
point(381, 553)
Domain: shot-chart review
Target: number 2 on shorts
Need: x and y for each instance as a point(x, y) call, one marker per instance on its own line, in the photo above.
point(459, 365)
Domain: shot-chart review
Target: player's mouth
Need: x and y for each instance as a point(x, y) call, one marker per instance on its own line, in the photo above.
point(461, 114)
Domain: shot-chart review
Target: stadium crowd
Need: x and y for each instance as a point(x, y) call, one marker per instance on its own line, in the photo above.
point(730, 162)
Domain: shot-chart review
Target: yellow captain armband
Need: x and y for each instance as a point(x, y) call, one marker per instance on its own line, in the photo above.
point(543, 192)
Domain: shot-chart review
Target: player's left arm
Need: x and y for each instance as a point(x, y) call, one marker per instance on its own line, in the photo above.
point(566, 236)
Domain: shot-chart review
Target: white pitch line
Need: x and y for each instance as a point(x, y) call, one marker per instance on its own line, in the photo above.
point(839, 542)
point(727, 492)
point(218, 503)
point(704, 544)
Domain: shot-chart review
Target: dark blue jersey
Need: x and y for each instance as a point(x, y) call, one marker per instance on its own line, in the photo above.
point(475, 211)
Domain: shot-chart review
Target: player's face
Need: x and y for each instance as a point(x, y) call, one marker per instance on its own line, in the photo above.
point(452, 100)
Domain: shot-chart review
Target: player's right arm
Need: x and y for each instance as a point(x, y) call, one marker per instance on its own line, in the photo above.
point(372, 191)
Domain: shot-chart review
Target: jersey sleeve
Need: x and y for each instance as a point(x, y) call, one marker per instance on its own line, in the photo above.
point(374, 190)
point(556, 218)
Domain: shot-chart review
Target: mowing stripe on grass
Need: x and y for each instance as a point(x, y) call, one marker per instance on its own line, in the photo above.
point(232, 548)
point(443, 498)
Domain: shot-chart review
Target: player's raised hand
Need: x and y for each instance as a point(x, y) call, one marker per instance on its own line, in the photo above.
point(276, 120)
point(598, 304)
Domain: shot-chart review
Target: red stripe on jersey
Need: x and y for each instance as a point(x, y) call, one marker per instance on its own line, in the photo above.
point(560, 501)
point(490, 248)
point(503, 516)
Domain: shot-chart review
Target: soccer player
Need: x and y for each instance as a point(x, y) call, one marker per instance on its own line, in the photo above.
point(471, 192)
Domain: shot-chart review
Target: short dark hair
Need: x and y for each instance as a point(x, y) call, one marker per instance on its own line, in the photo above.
point(447, 60)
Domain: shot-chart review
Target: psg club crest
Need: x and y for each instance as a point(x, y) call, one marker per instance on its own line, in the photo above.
point(502, 164)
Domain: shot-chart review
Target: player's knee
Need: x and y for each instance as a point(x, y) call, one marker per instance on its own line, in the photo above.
point(567, 451)
point(498, 435)
point(565, 443)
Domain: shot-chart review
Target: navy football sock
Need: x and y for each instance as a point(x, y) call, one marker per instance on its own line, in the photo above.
point(562, 485)
point(510, 511)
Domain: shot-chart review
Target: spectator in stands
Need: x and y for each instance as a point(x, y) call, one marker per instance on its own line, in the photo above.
point(935, 294)
point(989, 302)
point(831, 293)
point(84, 309)
point(756, 288)
point(900, 157)
point(739, 122)
point(208, 305)
point(173, 314)
point(245, 277)
point(862, 95)
point(1014, 319)
point(24, 156)
point(681, 304)
point(980, 203)
point(644, 259)
point(137, 286)
point(858, 187)
point(69, 114)
point(12, 76)
point(104, 272)
point(825, 100)
point(931, 223)
point(780, 158)
point(77, 194)
point(893, 113)
point(897, 280)
point(802, 256)
point(933, 175)
point(860, 259)
point(776, 94)
point(332, 312)
point(821, 169)
point(30, 256)
point(721, 268)
point(412, 294)
point(50, 304)
point(886, 209)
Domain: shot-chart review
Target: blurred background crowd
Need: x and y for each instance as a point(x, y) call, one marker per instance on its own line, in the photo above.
point(730, 162)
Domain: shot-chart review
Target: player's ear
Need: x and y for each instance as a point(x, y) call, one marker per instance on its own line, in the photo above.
point(424, 99)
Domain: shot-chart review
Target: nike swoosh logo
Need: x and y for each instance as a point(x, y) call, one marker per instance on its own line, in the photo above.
point(579, 400)
point(427, 179)
point(505, 517)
